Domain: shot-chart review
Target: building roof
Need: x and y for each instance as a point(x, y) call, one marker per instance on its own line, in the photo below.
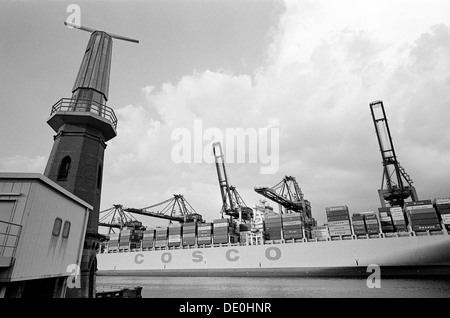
point(43, 179)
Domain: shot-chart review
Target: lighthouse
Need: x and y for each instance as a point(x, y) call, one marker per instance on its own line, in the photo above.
point(83, 124)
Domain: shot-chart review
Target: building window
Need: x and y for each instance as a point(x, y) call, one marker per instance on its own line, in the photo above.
point(66, 229)
point(57, 227)
point(64, 168)
point(99, 177)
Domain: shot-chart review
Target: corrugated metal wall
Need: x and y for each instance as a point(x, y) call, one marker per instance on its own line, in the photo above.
point(39, 253)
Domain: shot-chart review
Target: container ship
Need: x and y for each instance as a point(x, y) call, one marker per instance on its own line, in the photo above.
point(403, 238)
point(402, 242)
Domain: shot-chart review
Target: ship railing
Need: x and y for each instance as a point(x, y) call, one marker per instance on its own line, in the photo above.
point(85, 105)
point(431, 233)
point(9, 238)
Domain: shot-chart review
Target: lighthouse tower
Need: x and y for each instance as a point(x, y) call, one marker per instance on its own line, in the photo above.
point(83, 124)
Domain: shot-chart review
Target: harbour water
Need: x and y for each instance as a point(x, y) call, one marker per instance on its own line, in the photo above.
point(282, 287)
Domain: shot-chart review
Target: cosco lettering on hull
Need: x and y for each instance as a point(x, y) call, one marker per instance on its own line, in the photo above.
point(197, 256)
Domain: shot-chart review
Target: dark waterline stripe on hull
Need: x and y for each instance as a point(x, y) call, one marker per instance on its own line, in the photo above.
point(442, 272)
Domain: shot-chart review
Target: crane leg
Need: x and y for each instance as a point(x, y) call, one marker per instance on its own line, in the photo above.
point(381, 195)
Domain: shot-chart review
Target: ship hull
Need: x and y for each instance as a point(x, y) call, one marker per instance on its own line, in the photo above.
point(397, 257)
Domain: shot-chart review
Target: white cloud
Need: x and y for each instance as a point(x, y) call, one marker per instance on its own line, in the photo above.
point(327, 61)
point(23, 164)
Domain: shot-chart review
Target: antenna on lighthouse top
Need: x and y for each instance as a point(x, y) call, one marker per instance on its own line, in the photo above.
point(92, 81)
point(115, 36)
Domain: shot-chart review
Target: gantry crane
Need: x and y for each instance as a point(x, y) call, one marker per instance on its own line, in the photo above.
point(232, 203)
point(118, 219)
point(173, 206)
point(288, 194)
point(175, 209)
point(396, 184)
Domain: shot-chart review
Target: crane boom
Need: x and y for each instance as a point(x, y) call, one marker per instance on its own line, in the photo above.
point(155, 214)
point(176, 204)
point(398, 183)
point(175, 209)
point(288, 194)
point(232, 203)
point(225, 189)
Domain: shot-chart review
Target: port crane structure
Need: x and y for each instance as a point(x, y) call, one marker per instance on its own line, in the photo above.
point(232, 203)
point(175, 209)
point(396, 184)
point(288, 194)
point(118, 218)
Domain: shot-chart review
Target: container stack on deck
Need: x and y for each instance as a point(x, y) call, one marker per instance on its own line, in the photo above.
point(292, 226)
point(136, 232)
point(398, 218)
point(175, 235)
point(387, 224)
point(442, 205)
point(204, 232)
point(371, 220)
point(234, 232)
point(244, 231)
point(225, 231)
point(189, 232)
point(220, 231)
point(113, 244)
point(272, 227)
point(125, 239)
point(320, 233)
point(338, 221)
point(422, 216)
point(161, 237)
point(137, 236)
point(358, 224)
point(148, 238)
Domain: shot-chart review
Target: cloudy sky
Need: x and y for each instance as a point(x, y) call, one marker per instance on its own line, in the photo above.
point(307, 68)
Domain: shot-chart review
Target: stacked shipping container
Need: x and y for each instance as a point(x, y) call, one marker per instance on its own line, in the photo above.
point(358, 223)
point(338, 221)
point(387, 224)
point(320, 232)
point(204, 231)
point(371, 221)
point(125, 239)
point(422, 216)
point(137, 236)
point(175, 235)
point(244, 230)
point(161, 237)
point(189, 233)
point(272, 227)
point(148, 238)
point(292, 226)
point(113, 244)
point(442, 205)
point(220, 231)
point(234, 232)
point(225, 231)
point(398, 218)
